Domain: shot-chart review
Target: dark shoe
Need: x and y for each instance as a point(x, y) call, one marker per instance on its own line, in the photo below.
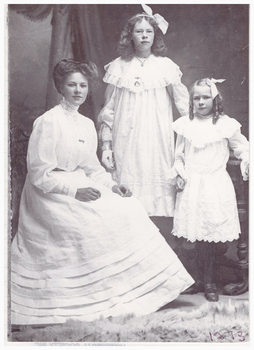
point(197, 287)
point(211, 293)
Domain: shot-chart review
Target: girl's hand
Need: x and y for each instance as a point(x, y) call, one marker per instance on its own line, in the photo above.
point(180, 183)
point(87, 194)
point(122, 190)
point(246, 173)
point(245, 169)
point(107, 159)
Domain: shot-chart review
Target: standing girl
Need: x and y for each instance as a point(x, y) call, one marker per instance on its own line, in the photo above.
point(137, 117)
point(206, 207)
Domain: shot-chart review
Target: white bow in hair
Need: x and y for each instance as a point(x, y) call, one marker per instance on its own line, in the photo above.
point(161, 22)
point(211, 82)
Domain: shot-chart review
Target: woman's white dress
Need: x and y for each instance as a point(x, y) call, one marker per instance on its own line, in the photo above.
point(137, 118)
point(83, 260)
point(207, 208)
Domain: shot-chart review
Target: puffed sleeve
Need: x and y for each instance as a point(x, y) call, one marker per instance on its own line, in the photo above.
point(41, 157)
point(93, 167)
point(240, 146)
point(106, 116)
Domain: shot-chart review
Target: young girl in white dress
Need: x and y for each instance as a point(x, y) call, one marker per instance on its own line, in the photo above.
point(206, 207)
point(136, 130)
point(85, 248)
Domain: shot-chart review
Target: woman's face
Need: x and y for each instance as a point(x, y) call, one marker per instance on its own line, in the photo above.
point(75, 88)
point(203, 100)
point(143, 37)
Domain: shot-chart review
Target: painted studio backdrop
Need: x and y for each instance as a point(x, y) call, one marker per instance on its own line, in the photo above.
point(204, 40)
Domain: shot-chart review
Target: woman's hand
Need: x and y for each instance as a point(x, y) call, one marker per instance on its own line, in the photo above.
point(107, 159)
point(180, 183)
point(122, 190)
point(87, 194)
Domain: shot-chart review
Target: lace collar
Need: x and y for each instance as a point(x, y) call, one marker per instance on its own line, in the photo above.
point(157, 72)
point(200, 132)
point(68, 106)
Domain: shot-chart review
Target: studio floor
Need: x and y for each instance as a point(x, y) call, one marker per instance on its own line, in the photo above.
point(189, 318)
point(188, 303)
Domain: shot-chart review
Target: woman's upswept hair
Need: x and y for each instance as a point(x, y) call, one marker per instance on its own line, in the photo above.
point(66, 66)
point(217, 109)
point(125, 45)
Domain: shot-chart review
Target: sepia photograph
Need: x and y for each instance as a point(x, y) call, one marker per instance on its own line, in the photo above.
point(127, 151)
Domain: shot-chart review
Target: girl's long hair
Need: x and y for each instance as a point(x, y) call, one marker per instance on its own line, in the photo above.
point(217, 109)
point(126, 47)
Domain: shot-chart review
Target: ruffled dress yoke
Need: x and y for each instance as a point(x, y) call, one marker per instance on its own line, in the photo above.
point(83, 260)
point(207, 208)
point(137, 117)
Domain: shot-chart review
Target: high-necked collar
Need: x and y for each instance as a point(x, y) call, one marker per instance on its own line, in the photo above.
point(68, 106)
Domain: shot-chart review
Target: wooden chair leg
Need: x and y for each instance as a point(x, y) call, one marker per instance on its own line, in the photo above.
point(241, 266)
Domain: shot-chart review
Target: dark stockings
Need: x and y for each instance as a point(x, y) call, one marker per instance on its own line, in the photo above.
point(205, 261)
point(206, 264)
point(205, 258)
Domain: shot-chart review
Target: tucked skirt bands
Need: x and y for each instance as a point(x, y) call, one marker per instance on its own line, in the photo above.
point(86, 260)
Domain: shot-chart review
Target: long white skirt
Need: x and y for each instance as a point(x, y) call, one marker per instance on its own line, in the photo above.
point(83, 260)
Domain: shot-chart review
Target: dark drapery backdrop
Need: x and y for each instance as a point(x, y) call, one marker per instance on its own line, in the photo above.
point(204, 40)
point(96, 30)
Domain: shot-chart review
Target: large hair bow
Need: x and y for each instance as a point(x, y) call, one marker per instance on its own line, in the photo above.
point(211, 82)
point(161, 22)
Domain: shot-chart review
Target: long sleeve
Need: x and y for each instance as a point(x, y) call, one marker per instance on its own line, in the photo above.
point(179, 163)
point(106, 116)
point(93, 167)
point(180, 95)
point(42, 159)
point(240, 146)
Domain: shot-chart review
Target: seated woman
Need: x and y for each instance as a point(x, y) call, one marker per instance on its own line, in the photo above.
point(82, 251)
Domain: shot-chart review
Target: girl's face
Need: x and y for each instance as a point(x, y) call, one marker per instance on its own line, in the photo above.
point(203, 100)
point(143, 37)
point(75, 88)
